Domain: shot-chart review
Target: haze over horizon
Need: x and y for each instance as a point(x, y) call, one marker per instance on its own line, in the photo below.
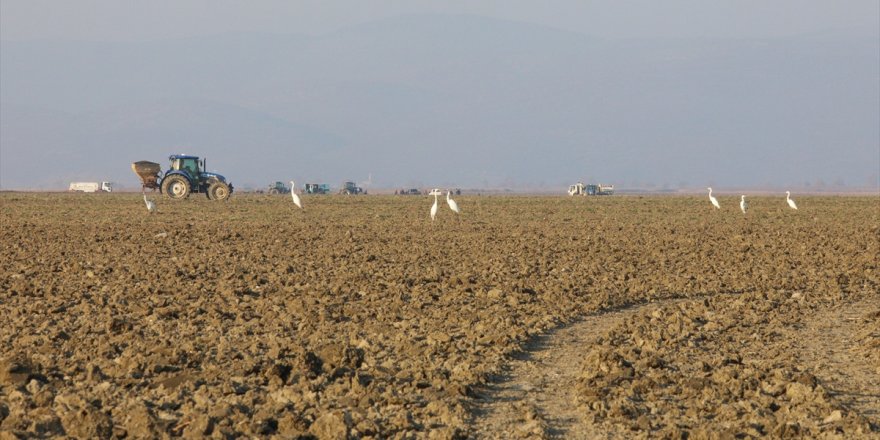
point(500, 94)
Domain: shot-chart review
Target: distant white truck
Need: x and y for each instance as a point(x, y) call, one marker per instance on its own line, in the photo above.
point(579, 189)
point(91, 187)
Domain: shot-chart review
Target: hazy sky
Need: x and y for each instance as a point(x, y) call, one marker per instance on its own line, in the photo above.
point(127, 20)
point(515, 93)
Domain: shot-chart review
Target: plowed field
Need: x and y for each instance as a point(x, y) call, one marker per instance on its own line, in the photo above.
point(357, 317)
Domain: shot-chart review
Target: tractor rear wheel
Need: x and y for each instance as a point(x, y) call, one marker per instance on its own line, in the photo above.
point(176, 187)
point(218, 191)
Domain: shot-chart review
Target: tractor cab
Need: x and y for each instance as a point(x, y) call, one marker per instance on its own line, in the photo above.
point(188, 164)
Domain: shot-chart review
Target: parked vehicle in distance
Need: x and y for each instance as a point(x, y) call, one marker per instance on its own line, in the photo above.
point(90, 187)
point(349, 188)
point(600, 190)
point(317, 188)
point(579, 189)
point(278, 188)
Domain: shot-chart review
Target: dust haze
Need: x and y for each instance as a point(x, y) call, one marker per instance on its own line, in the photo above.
point(451, 95)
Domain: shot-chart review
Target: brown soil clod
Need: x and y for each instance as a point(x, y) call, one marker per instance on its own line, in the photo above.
point(364, 322)
point(544, 375)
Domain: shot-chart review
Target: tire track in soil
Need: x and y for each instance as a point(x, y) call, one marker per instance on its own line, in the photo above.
point(534, 396)
point(827, 345)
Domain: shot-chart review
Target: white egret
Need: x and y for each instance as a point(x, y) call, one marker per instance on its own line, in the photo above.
point(151, 205)
point(743, 205)
point(713, 199)
point(790, 201)
point(295, 197)
point(434, 209)
point(452, 205)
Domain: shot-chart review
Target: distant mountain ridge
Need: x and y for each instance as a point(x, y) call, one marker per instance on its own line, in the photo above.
point(446, 100)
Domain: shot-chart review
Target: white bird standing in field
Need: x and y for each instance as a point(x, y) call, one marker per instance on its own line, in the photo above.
point(713, 199)
point(151, 205)
point(452, 205)
point(790, 201)
point(743, 205)
point(295, 197)
point(434, 208)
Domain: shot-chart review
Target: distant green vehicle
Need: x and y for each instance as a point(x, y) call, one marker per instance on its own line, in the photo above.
point(278, 188)
point(317, 188)
point(349, 188)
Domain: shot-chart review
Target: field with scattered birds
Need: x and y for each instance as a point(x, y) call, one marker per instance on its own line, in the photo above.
point(360, 317)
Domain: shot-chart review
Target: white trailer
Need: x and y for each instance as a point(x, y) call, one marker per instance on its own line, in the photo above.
point(90, 187)
point(579, 189)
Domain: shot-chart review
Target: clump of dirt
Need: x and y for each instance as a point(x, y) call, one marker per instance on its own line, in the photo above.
point(723, 366)
point(867, 340)
point(361, 319)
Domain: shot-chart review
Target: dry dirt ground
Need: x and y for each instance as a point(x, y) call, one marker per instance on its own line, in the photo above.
point(536, 396)
point(357, 318)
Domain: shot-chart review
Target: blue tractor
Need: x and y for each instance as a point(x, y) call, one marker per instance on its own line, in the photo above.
point(186, 175)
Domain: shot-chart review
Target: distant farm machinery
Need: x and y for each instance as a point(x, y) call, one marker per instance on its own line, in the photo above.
point(350, 188)
point(186, 175)
point(317, 188)
point(278, 188)
point(579, 189)
point(418, 192)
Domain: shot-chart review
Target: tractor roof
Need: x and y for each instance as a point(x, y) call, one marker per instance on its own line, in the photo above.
point(182, 156)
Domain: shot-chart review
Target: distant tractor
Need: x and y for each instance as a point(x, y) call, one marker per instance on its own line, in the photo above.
point(90, 187)
point(408, 192)
point(278, 188)
point(186, 175)
point(349, 188)
point(579, 189)
point(317, 188)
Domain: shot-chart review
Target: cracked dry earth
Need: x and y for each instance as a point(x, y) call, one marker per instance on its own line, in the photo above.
point(358, 318)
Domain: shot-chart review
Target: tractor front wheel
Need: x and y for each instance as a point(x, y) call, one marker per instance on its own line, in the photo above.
point(176, 187)
point(218, 191)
